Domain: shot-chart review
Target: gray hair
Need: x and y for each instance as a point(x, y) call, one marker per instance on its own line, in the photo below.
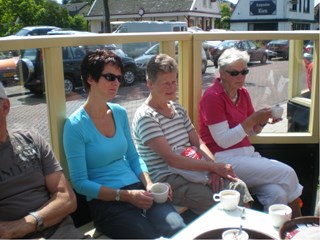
point(232, 55)
point(161, 63)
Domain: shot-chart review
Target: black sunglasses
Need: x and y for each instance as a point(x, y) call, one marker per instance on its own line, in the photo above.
point(111, 77)
point(236, 73)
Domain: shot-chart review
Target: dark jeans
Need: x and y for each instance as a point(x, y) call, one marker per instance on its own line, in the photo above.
point(124, 220)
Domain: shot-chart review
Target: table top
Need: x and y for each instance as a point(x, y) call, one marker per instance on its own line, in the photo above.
point(216, 218)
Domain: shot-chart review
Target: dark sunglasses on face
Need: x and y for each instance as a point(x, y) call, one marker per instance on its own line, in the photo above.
point(236, 73)
point(111, 77)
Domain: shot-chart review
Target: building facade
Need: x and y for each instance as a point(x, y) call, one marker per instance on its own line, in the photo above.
point(273, 15)
point(200, 13)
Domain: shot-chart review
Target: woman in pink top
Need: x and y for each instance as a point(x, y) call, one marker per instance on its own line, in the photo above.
point(227, 118)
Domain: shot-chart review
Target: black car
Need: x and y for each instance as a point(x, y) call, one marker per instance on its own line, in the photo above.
point(281, 47)
point(256, 53)
point(30, 67)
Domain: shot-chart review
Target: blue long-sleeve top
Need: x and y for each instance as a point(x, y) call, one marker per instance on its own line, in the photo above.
point(95, 160)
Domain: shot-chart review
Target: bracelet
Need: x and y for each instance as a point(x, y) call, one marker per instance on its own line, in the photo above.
point(262, 125)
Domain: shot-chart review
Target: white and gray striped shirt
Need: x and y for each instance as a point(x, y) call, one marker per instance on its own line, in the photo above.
point(148, 124)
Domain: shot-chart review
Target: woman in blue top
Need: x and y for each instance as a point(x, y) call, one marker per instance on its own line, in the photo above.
point(103, 161)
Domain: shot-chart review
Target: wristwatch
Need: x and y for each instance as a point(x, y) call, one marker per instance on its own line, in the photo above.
point(40, 225)
point(118, 195)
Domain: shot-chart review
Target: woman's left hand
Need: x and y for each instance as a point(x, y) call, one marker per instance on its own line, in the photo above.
point(170, 191)
point(216, 182)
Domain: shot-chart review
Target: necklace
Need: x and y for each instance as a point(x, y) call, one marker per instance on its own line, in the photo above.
point(234, 99)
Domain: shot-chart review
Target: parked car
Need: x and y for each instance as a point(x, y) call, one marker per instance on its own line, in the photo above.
point(256, 53)
point(69, 32)
point(31, 66)
point(208, 45)
point(8, 68)
point(143, 59)
point(281, 47)
point(35, 30)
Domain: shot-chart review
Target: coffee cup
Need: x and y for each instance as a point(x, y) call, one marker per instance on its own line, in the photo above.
point(160, 192)
point(234, 234)
point(279, 214)
point(228, 198)
point(277, 112)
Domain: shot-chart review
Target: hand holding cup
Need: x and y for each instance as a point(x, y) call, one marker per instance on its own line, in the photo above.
point(277, 112)
point(160, 192)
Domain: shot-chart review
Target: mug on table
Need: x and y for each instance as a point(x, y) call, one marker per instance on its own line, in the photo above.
point(229, 199)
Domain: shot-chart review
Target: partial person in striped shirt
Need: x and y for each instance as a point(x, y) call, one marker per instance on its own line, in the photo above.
point(161, 126)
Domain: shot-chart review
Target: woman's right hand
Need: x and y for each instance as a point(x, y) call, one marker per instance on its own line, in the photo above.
point(261, 116)
point(224, 171)
point(140, 198)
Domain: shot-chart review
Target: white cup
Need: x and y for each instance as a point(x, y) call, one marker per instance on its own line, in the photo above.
point(277, 112)
point(228, 198)
point(160, 192)
point(279, 214)
point(233, 234)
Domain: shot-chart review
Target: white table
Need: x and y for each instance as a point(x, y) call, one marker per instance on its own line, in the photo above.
point(216, 218)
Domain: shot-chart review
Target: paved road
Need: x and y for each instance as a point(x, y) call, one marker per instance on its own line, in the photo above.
point(267, 85)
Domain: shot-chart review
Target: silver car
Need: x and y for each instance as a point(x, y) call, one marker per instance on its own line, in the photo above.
point(142, 60)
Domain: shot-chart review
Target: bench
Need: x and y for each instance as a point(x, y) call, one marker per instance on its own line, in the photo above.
point(89, 229)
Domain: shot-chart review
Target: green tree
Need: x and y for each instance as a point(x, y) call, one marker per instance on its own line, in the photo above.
point(224, 22)
point(15, 14)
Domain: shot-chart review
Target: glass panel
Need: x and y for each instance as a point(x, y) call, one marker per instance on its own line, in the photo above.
point(307, 67)
point(28, 110)
point(268, 79)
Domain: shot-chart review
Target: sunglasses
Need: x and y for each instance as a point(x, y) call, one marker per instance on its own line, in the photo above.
point(236, 73)
point(111, 77)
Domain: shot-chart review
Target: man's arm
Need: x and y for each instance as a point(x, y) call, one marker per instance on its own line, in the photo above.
point(62, 203)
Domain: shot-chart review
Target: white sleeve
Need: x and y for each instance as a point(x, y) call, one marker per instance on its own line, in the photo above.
point(224, 136)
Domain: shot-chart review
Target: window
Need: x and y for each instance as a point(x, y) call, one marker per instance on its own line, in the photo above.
point(294, 5)
point(204, 3)
point(306, 6)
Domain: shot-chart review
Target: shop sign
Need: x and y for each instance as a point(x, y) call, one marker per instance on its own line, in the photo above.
point(263, 7)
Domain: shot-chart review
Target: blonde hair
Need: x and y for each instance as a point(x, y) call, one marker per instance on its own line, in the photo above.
point(161, 63)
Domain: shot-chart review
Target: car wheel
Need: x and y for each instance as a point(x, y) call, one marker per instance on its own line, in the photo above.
point(25, 69)
point(263, 59)
point(68, 85)
point(129, 76)
point(204, 67)
point(215, 63)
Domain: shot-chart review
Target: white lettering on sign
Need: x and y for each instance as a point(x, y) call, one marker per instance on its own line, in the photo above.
point(261, 10)
point(263, 4)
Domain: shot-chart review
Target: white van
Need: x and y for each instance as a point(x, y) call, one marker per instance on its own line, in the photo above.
point(151, 26)
point(136, 49)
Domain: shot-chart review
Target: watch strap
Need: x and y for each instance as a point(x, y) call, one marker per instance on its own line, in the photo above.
point(118, 195)
point(39, 221)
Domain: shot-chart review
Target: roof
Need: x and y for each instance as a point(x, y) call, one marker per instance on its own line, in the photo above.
point(77, 8)
point(119, 7)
